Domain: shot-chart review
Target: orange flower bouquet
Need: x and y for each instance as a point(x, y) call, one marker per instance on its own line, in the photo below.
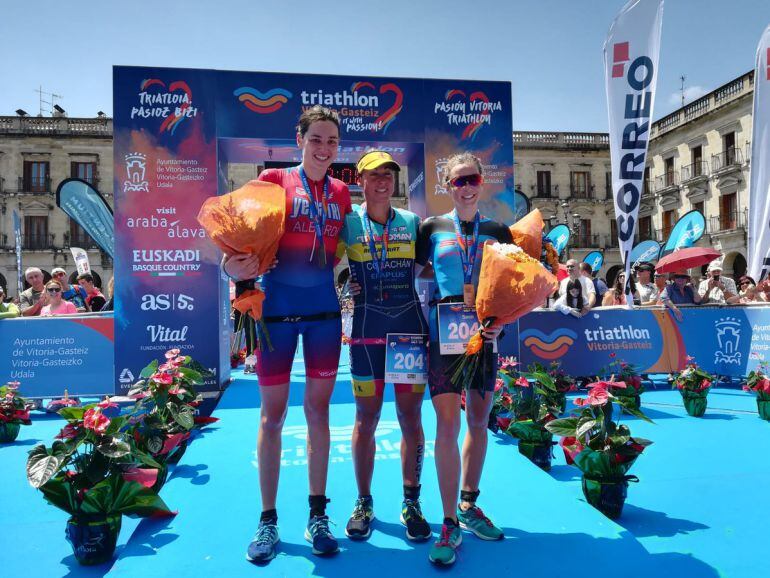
point(511, 285)
point(248, 220)
point(527, 233)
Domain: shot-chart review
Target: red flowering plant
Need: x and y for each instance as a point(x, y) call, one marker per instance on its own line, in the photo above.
point(501, 415)
point(166, 399)
point(758, 382)
point(82, 471)
point(694, 384)
point(620, 371)
point(537, 402)
point(14, 411)
point(604, 450)
point(563, 382)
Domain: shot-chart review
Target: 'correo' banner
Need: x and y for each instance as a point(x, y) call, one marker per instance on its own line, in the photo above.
point(759, 195)
point(631, 54)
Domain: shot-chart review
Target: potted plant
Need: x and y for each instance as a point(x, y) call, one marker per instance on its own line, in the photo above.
point(626, 373)
point(501, 413)
point(83, 473)
point(562, 381)
point(601, 448)
point(166, 401)
point(14, 412)
point(758, 382)
point(534, 405)
point(694, 384)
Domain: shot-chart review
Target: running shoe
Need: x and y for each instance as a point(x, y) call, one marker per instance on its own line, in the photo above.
point(443, 550)
point(318, 534)
point(417, 528)
point(262, 548)
point(474, 520)
point(360, 523)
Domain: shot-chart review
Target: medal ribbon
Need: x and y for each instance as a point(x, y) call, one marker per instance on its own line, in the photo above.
point(318, 220)
point(467, 252)
point(378, 259)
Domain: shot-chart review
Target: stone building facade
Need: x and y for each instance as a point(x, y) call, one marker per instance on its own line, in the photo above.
point(36, 155)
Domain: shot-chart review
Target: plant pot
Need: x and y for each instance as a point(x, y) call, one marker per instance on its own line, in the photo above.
point(763, 408)
point(93, 537)
point(607, 496)
point(177, 453)
point(538, 453)
point(694, 402)
point(9, 432)
point(161, 479)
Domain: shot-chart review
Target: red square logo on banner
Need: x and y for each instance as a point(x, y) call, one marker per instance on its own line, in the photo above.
point(617, 70)
point(620, 52)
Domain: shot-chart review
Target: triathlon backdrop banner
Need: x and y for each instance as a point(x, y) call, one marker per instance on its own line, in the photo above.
point(182, 135)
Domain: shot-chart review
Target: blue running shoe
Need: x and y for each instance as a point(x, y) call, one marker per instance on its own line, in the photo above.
point(318, 534)
point(262, 548)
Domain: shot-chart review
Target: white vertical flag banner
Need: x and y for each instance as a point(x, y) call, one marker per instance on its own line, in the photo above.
point(759, 189)
point(81, 260)
point(631, 55)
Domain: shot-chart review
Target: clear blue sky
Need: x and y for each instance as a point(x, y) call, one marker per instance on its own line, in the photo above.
point(549, 49)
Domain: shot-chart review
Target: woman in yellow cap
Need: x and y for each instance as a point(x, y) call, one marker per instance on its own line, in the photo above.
point(380, 243)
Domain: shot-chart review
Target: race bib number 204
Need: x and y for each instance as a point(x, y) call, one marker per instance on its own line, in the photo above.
point(406, 358)
point(456, 325)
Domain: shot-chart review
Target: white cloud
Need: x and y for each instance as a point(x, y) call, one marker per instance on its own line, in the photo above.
point(690, 93)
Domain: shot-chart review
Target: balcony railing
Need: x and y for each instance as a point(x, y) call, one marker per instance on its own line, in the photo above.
point(667, 180)
point(98, 127)
point(37, 242)
point(581, 192)
point(695, 170)
point(82, 241)
point(561, 140)
point(728, 221)
point(581, 240)
point(34, 185)
point(732, 157)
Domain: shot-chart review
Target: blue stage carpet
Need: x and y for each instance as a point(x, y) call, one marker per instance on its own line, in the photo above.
point(699, 510)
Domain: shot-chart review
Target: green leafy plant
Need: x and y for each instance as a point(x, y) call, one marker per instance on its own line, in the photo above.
point(757, 382)
point(694, 384)
point(14, 411)
point(82, 472)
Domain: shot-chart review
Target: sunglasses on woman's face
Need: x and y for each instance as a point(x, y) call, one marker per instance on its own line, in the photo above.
point(54, 290)
point(745, 283)
point(470, 180)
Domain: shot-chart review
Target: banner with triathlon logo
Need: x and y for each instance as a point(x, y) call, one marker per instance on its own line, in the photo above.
point(759, 189)
point(631, 53)
point(183, 135)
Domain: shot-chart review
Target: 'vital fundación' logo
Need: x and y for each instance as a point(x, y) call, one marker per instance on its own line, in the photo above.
point(262, 102)
point(173, 103)
point(548, 346)
point(729, 338)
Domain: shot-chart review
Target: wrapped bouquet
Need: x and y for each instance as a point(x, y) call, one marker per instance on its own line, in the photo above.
point(249, 220)
point(511, 284)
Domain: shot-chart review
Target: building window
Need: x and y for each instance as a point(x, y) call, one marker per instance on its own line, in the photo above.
point(646, 186)
point(78, 236)
point(668, 177)
point(608, 183)
point(728, 144)
point(83, 171)
point(645, 228)
point(697, 161)
point(36, 176)
point(728, 212)
point(543, 183)
point(698, 207)
point(613, 232)
point(584, 233)
point(580, 183)
point(36, 232)
point(669, 219)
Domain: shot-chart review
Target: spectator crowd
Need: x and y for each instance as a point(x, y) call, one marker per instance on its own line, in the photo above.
point(57, 296)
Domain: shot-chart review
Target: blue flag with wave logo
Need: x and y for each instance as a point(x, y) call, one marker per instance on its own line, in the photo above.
point(595, 259)
point(84, 204)
point(688, 229)
point(645, 251)
point(559, 237)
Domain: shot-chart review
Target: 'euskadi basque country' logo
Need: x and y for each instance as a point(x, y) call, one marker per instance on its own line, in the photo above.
point(473, 111)
point(262, 102)
point(172, 103)
point(548, 346)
